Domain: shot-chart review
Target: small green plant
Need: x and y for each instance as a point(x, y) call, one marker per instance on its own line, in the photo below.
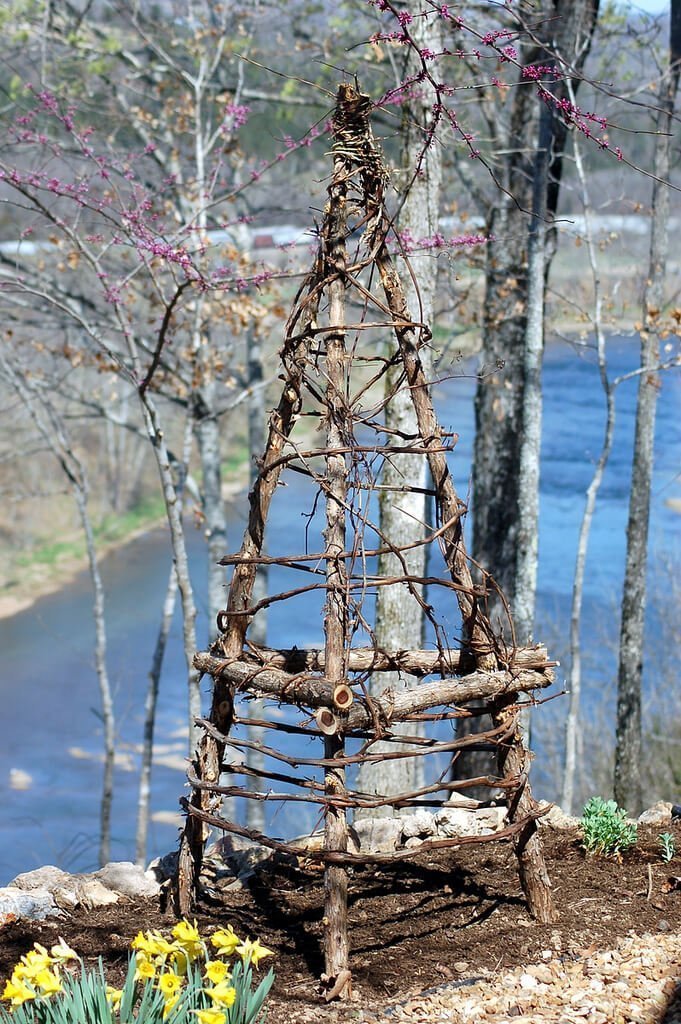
point(173, 980)
point(605, 828)
point(667, 846)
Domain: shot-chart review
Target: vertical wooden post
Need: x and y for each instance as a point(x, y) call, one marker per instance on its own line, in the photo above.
point(336, 972)
point(233, 622)
point(514, 762)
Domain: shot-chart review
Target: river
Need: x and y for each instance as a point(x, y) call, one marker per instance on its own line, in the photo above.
point(49, 697)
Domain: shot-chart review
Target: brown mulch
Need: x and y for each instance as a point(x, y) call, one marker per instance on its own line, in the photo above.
point(453, 926)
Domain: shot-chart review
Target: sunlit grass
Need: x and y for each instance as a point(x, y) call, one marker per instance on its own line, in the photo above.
point(112, 528)
point(117, 527)
point(50, 554)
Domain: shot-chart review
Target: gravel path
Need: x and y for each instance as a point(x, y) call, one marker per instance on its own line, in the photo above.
point(638, 982)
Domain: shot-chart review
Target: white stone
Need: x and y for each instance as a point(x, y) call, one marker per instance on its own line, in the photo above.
point(658, 814)
point(91, 893)
point(413, 842)
point(66, 891)
point(460, 821)
point(459, 800)
point(490, 819)
point(378, 835)
point(35, 905)
point(421, 823)
point(47, 877)
point(128, 879)
point(65, 896)
point(556, 818)
point(454, 821)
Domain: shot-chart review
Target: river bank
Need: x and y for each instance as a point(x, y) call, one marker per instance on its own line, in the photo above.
point(49, 689)
point(39, 577)
point(20, 595)
point(40, 580)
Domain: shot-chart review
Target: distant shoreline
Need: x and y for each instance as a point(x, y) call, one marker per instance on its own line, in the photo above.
point(17, 599)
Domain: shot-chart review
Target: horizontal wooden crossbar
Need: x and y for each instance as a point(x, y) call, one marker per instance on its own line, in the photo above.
point(414, 662)
point(389, 706)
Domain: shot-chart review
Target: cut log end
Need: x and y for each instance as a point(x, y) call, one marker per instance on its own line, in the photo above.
point(326, 722)
point(343, 696)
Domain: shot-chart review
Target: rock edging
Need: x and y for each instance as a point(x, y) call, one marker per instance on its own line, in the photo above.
point(230, 863)
point(50, 892)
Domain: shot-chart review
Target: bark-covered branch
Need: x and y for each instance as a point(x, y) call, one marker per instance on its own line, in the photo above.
point(414, 662)
point(317, 692)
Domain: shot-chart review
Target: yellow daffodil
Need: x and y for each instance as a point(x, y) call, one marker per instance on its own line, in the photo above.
point(62, 952)
point(216, 971)
point(170, 1005)
point(114, 996)
point(145, 970)
point(181, 961)
point(36, 960)
point(48, 982)
point(222, 995)
point(17, 991)
point(141, 943)
point(38, 953)
point(210, 1016)
point(253, 951)
point(169, 985)
point(225, 941)
point(160, 945)
point(152, 944)
point(187, 936)
point(24, 972)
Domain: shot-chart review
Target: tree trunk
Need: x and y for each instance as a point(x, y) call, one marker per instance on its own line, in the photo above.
point(257, 434)
point(213, 507)
point(525, 584)
point(511, 296)
point(151, 699)
point(399, 619)
point(628, 732)
point(150, 703)
point(336, 951)
point(173, 507)
point(508, 400)
point(108, 718)
point(572, 730)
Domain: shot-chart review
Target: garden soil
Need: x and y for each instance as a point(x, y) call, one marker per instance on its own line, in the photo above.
point(438, 923)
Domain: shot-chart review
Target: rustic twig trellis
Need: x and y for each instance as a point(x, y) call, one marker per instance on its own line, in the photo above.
point(328, 685)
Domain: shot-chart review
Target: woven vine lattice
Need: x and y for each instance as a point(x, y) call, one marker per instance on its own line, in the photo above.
point(350, 331)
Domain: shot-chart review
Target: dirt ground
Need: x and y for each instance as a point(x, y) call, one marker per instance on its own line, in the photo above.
point(451, 917)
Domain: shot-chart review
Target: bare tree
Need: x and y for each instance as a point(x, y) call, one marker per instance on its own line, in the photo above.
point(530, 142)
point(52, 429)
point(572, 731)
point(399, 619)
point(257, 431)
point(628, 730)
point(560, 37)
point(153, 688)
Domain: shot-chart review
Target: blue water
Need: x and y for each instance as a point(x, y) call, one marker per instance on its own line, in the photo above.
point(48, 685)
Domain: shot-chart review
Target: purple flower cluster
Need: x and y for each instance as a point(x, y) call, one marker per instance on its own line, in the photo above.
point(582, 120)
point(235, 117)
point(409, 244)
